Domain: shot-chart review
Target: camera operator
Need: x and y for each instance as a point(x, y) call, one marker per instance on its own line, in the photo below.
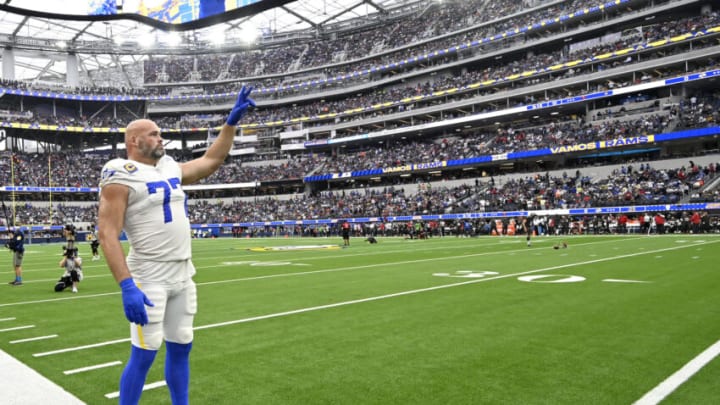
point(69, 233)
point(94, 245)
point(73, 271)
point(16, 244)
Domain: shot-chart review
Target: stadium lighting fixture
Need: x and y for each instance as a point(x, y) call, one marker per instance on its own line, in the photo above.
point(61, 44)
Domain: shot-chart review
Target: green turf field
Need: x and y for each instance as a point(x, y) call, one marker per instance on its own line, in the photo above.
point(439, 321)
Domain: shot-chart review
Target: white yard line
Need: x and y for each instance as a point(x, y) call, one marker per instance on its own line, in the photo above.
point(146, 387)
point(76, 348)
point(33, 339)
point(74, 297)
point(90, 368)
point(17, 328)
point(671, 383)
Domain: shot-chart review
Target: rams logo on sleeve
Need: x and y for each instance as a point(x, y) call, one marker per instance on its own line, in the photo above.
point(130, 167)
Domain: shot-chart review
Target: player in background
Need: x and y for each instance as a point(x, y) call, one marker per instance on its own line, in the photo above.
point(143, 195)
point(345, 229)
point(94, 245)
point(527, 225)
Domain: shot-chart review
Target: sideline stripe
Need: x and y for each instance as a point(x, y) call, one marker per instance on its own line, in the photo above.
point(146, 387)
point(6, 319)
point(670, 384)
point(33, 339)
point(95, 367)
point(381, 297)
point(74, 297)
point(55, 279)
point(23, 385)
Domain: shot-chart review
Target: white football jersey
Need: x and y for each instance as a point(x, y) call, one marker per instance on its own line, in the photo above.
point(156, 221)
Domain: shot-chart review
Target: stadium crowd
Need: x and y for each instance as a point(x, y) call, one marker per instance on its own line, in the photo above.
point(436, 23)
point(624, 186)
point(69, 169)
point(498, 70)
point(408, 29)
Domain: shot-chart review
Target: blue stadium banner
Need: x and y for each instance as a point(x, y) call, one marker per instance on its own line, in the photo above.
point(27, 189)
point(619, 143)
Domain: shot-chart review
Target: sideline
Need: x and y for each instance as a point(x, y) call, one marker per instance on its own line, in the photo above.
point(671, 383)
point(21, 385)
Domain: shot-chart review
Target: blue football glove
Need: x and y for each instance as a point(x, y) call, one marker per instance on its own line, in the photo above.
point(134, 302)
point(241, 106)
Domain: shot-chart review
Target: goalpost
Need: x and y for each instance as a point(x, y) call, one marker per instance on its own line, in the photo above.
point(10, 214)
point(10, 220)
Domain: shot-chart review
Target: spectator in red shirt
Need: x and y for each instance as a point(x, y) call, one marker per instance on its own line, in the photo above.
point(622, 224)
point(660, 223)
point(695, 222)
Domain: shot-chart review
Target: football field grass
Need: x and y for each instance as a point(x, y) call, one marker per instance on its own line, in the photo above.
point(440, 321)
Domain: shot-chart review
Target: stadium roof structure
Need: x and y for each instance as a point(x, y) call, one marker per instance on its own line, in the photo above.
point(41, 43)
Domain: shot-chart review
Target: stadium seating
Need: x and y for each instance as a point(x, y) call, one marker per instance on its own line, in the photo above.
point(513, 58)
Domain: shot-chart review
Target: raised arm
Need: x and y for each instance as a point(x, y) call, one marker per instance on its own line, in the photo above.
point(215, 155)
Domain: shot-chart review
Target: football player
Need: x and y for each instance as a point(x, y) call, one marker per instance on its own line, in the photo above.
point(143, 195)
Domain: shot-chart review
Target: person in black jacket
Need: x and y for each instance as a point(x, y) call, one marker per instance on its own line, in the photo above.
point(16, 243)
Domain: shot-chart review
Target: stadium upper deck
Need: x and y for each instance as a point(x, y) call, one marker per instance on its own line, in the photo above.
point(515, 73)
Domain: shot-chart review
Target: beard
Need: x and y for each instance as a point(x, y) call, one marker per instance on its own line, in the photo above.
point(154, 153)
point(158, 152)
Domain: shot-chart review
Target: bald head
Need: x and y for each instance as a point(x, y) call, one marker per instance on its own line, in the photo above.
point(143, 141)
point(138, 126)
